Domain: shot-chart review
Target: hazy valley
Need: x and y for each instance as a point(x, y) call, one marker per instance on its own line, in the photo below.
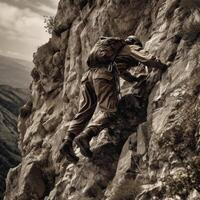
point(14, 82)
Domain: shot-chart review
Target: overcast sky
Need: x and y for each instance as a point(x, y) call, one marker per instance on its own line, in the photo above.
point(22, 26)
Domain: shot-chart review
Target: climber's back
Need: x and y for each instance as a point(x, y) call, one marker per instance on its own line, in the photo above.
point(104, 51)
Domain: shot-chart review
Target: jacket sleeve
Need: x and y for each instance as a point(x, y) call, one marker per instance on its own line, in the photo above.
point(132, 54)
point(139, 54)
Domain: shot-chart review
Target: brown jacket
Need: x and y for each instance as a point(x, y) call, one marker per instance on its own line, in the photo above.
point(132, 55)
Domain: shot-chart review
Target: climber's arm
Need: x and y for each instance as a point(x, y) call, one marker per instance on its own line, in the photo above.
point(130, 53)
point(127, 76)
point(148, 59)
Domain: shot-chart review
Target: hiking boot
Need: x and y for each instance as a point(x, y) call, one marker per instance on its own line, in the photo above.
point(67, 150)
point(83, 142)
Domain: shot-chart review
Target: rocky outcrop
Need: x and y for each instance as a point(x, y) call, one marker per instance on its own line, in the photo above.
point(11, 99)
point(160, 158)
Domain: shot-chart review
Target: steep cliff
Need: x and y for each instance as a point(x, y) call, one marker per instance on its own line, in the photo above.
point(160, 157)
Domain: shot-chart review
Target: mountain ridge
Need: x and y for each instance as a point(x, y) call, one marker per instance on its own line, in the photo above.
point(11, 99)
point(15, 72)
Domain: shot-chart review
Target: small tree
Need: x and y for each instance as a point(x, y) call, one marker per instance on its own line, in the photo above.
point(49, 24)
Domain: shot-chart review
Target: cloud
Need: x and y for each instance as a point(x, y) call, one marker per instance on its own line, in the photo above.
point(21, 23)
point(36, 5)
point(47, 9)
point(22, 28)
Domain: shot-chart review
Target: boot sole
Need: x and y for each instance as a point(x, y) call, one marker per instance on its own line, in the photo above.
point(84, 152)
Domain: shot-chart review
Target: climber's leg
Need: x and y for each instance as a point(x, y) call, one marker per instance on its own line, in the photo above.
point(87, 107)
point(67, 148)
point(83, 142)
point(93, 129)
point(107, 97)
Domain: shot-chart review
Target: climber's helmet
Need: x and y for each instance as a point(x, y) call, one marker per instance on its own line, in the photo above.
point(133, 40)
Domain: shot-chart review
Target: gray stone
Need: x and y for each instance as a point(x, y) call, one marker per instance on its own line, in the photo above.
point(142, 139)
point(30, 185)
point(194, 195)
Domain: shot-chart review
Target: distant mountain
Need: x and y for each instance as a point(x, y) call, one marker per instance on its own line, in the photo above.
point(15, 72)
point(11, 99)
point(14, 82)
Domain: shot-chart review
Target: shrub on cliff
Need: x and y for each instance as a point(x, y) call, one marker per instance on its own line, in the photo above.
point(49, 24)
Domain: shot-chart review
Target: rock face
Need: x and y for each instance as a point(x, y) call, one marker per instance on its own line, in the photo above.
point(11, 99)
point(153, 150)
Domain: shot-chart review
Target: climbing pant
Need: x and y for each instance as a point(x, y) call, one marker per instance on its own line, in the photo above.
point(98, 89)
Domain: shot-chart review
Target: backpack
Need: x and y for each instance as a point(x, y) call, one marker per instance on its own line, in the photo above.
point(104, 51)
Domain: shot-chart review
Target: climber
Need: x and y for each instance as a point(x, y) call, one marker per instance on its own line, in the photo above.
point(109, 59)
